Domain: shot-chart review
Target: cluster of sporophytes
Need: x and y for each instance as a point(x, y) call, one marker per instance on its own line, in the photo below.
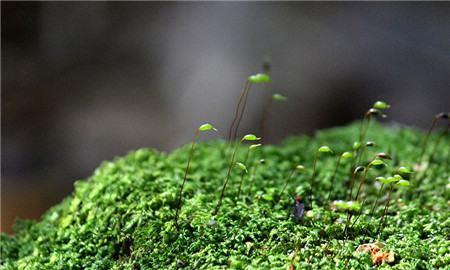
point(310, 203)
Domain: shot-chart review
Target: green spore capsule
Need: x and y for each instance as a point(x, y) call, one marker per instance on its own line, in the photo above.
point(279, 97)
point(381, 105)
point(259, 78)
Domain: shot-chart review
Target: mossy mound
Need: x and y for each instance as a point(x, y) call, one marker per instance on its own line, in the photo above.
point(122, 217)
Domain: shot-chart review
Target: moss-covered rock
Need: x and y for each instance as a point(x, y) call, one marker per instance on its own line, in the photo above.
point(122, 217)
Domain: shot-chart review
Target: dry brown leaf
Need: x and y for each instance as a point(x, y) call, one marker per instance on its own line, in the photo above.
point(378, 256)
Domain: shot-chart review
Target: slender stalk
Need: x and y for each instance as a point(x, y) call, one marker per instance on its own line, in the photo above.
point(222, 194)
point(424, 147)
point(313, 178)
point(376, 201)
point(352, 169)
point(355, 159)
point(352, 183)
point(436, 118)
point(236, 113)
point(265, 117)
point(361, 184)
point(191, 153)
point(444, 134)
point(448, 159)
point(362, 137)
point(253, 176)
point(425, 141)
point(350, 215)
point(347, 223)
point(334, 177)
point(362, 128)
point(285, 186)
point(386, 208)
point(349, 218)
point(247, 90)
point(243, 173)
point(356, 153)
point(363, 180)
point(359, 213)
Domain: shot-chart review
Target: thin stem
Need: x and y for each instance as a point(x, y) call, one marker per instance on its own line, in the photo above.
point(361, 128)
point(376, 201)
point(285, 186)
point(352, 183)
point(362, 149)
point(247, 90)
point(359, 213)
point(363, 180)
point(362, 132)
point(243, 173)
point(425, 141)
point(347, 223)
point(334, 177)
point(313, 177)
point(349, 218)
point(252, 177)
point(191, 153)
point(448, 159)
point(350, 215)
point(444, 134)
point(265, 117)
point(222, 194)
point(352, 169)
point(383, 216)
point(236, 113)
point(356, 153)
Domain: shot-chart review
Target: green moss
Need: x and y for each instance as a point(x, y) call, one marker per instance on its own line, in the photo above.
point(122, 217)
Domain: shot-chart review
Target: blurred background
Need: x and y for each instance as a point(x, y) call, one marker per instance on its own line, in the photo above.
point(83, 82)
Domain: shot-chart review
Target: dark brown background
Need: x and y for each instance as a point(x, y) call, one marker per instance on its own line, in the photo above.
point(84, 82)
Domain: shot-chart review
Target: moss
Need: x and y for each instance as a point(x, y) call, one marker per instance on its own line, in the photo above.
point(122, 217)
